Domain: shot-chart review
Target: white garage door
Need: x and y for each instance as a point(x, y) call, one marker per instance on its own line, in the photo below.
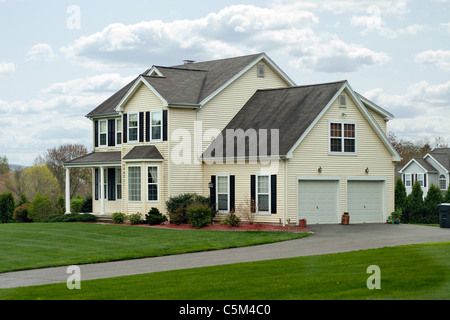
point(365, 201)
point(318, 201)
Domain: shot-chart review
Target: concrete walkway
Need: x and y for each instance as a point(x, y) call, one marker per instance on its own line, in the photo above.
point(326, 239)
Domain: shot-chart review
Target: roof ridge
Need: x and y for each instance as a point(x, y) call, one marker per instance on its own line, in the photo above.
point(304, 86)
point(180, 68)
point(222, 59)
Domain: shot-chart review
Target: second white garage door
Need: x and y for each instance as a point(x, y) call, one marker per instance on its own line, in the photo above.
point(318, 201)
point(365, 201)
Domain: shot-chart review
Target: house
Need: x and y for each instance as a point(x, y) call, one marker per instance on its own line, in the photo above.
point(241, 131)
point(432, 169)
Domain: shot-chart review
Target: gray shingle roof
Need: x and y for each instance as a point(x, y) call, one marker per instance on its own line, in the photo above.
point(290, 110)
point(442, 155)
point(427, 166)
point(107, 157)
point(188, 83)
point(144, 152)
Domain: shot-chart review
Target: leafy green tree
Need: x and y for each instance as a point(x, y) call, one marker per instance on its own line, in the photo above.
point(400, 195)
point(4, 166)
point(414, 207)
point(7, 206)
point(447, 195)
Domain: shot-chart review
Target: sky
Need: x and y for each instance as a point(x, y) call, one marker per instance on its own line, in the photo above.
point(61, 59)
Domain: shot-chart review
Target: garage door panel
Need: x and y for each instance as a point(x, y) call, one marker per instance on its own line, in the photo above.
point(318, 201)
point(365, 201)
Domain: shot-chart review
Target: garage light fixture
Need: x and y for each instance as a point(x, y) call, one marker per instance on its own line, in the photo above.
point(319, 170)
point(367, 170)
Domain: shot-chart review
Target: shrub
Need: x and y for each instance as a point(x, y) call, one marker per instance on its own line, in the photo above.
point(177, 206)
point(40, 208)
point(232, 219)
point(154, 217)
point(71, 217)
point(87, 204)
point(433, 199)
point(198, 214)
point(135, 218)
point(76, 205)
point(7, 206)
point(119, 217)
point(400, 195)
point(21, 213)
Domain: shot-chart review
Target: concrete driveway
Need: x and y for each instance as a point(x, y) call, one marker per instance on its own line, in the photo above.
point(326, 239)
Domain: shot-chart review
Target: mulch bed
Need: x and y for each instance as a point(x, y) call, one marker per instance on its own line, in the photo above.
point(241, 227)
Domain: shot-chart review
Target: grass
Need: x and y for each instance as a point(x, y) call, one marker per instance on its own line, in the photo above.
point(38, 245)
point(413, 272)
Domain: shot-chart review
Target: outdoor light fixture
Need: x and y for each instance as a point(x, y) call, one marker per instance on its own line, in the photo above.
point(319, 170)
point(343, 114)
point(210, 185)
point(367, 170)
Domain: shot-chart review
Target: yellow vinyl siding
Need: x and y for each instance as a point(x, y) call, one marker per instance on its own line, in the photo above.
point(312, 153)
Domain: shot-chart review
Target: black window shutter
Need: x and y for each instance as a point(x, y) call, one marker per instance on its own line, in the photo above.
point(164, 125)
point(253, 193)
point(96, 183)
point(404, 179)
point(141, 127)
point(273, 193)
point(111, 132)
point(111, 183)
point(212, 192)
point(425, 180)
point(147, 126)
point(96, 133)
point(232, 194)
point(124, 131)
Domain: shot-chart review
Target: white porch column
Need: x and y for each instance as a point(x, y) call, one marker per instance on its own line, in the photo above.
point(67, 190)
point(102, 191)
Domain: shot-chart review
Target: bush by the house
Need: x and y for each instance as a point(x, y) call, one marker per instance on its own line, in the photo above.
point(232, 219)
point(135, 218)
point(76, 205)
point(177, 206)
point(154, 217)
point(119, 217)
point(71, 217)
point(21, 213)
point(40, 208)
point(87, 204)
point(7, 206)
point(198, 214)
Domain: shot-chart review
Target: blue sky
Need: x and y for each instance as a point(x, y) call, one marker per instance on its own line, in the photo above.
point(60, 59)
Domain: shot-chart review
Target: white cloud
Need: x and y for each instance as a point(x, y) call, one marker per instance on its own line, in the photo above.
point(440, 58)
point(234, 30)
point(40, 52)
point(7, 68)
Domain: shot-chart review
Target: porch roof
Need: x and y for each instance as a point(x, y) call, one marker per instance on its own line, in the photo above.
point(144, 153)
point(96, 159)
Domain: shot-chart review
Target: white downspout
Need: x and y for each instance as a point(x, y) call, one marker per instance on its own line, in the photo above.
point(102, 191)
point(67, 190)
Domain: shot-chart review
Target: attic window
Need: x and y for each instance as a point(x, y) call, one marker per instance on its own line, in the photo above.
point(260, 70)
point(343, 100)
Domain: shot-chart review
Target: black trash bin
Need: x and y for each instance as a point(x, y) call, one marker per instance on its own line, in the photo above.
point(444, 215)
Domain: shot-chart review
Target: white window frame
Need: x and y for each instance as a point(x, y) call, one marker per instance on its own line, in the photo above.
point(100, 133)
point(420, 179)
point(153, 183)
point(133, 127)
point(140, 184)
point(159, 125)
point(227, 176)
point(118, 130)
point(408, 179)
point(118, 183)
point(269, 188)
point(442, 178)
point(342, 137)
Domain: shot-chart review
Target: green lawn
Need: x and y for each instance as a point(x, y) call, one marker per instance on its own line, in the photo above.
point(407, 272)
point(38, 245)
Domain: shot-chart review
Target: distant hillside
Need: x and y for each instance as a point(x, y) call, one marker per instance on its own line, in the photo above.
point(14, 167)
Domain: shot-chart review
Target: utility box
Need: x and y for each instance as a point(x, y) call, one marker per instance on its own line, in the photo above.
point(444, 215)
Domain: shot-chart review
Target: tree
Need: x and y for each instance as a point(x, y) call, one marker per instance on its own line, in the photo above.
point(40, 208)
point(414, 207)
point(4, 166)
point(7, 206)
point(400, 195)
point(54, 159)
point(447, 195)
point(39, 179)
point(433, 199)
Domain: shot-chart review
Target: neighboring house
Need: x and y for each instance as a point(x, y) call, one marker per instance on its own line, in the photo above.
point(240, 131)
point(432, 169)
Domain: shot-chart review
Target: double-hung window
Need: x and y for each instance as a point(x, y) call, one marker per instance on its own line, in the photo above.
point(118, 132)
point(262, 193)
point(134, 183)
point(223, 193)
point(133, 127)
point(103, 133)
point(420, 179)
point(442, 182)
point(156, 125)
point(342, 137)
point(407, 179)
point(152, 183)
